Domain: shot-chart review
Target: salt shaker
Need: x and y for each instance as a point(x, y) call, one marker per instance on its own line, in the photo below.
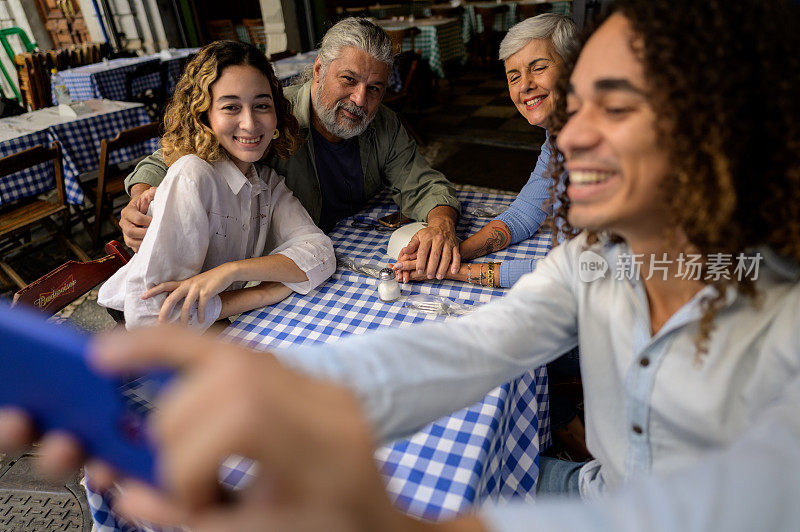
point(388, 289)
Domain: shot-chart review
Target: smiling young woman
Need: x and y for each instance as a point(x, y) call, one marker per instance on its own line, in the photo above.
point(218, 221)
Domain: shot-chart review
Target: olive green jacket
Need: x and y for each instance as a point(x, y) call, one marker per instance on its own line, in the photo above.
point(389, 159)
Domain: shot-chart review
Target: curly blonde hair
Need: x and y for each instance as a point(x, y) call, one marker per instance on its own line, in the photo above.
point(729, 89)
point(186, 128)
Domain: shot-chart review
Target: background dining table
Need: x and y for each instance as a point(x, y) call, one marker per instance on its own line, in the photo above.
point(80, 143)
point(439, 41)
point(487, 451)
point(107, 78)
point(472, 23)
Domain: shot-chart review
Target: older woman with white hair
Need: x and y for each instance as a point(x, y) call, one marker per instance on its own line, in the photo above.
point(532, 52)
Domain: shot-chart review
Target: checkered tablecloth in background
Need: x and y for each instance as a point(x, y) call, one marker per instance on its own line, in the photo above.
point(488, 451)
point(474, 23)
point(80, 145)
point(80, 141)
point(439, 40)
point(28, 182)
point(107, 79)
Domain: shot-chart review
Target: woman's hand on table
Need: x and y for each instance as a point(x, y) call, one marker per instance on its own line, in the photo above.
point(435, 248)
point(198, 289)
point(406, 270)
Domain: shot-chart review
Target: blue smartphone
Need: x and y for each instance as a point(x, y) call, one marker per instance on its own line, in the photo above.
point(45, 372)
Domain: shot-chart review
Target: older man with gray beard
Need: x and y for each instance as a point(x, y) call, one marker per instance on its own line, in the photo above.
point(353, 148)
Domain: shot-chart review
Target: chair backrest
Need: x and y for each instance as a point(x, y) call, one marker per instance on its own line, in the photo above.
point(489, 14)
point(33, 72)
point(406, 63)
point(221, 30)
point(143, 71)
point(55, 290)
point(124, 139)
point(256, 32)
point(33, 157)
point(447, 11)
point(398, 36)
point(526, 11)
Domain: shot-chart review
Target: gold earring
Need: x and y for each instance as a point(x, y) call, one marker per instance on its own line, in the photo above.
point(276, 134)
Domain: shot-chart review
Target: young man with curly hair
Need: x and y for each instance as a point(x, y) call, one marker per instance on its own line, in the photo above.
point(692, 382)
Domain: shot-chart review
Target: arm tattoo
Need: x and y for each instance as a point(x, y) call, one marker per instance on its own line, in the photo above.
point(498, 239)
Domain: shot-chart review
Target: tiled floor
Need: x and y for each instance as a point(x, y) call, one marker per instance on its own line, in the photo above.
point(476, 109)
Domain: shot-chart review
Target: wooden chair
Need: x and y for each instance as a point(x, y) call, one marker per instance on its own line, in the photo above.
point(57, 289)
point(25, 214)
point(33, 72)
point(398, 36)
point(526, 11)
point(447, 11)
point(154, 98)
point(256, 32)
point(221, 30)
point(108, 182)
point(487, 42)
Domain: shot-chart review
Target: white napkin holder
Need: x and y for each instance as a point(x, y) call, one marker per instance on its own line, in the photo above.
point(73, 110)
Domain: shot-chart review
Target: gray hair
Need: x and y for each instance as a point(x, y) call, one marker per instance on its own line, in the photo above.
point(560, 30)
point(359, 33)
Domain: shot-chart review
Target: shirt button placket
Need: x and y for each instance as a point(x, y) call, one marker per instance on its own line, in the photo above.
point(642, 377)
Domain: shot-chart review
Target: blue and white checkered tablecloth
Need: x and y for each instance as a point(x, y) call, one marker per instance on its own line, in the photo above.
point(107, 79)
point(488, 451)
point(80, 145)
point(31, 181)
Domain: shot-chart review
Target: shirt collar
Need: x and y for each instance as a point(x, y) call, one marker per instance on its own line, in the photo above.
point(233, 177)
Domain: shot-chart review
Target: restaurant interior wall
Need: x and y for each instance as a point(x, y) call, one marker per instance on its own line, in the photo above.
point(13, 13)
point(274, 26)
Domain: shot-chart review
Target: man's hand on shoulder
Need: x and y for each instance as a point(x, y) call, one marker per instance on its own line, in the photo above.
point(133, 218)
point(436, 247)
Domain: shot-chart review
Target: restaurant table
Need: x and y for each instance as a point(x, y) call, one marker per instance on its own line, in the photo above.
point(474, 24)
point(289, 69)
point(438, 42)
point(80, 144)
point(488, 451)
point(107, 78)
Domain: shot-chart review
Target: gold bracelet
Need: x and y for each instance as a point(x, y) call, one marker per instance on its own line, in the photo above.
point(469, 273)
point(490, 268)
point(494, 278)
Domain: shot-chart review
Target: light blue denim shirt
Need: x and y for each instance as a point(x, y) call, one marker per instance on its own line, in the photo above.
point(650, 407)
point(525, 215)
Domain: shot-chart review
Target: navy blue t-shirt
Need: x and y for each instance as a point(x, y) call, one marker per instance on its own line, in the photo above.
point(341, 179)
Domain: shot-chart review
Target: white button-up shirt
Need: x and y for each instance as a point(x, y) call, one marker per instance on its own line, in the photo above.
point(207, 214)
point(649, 407)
